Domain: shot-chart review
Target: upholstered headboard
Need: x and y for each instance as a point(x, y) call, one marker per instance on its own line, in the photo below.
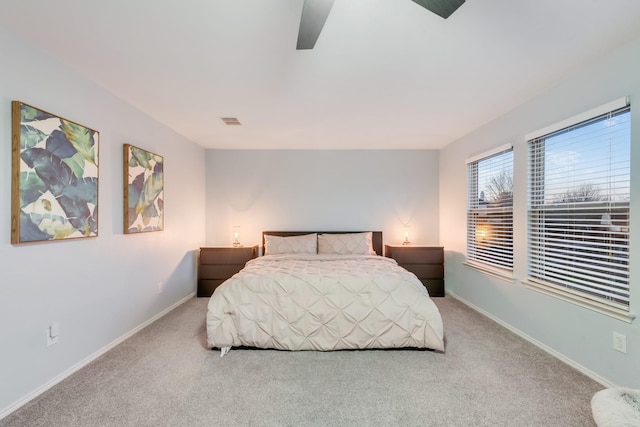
point(376, 236)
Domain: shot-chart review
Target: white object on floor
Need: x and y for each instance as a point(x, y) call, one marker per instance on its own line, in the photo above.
point(224, 350)
point(616, 407)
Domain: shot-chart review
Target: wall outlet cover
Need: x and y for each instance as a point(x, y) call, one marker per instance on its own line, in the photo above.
point(620, 342)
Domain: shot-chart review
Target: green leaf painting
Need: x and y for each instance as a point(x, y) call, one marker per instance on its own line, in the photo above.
point(30, 136)
point(144, 191)
point(56, 175)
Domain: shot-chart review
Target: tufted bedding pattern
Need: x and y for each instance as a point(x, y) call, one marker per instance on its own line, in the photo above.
point(323, 302)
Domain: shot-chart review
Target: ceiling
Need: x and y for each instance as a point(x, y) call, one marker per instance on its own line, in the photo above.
point(384, 74)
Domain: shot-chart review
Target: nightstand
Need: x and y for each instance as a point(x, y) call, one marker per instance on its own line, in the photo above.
point(220, 263)
point(426, 262)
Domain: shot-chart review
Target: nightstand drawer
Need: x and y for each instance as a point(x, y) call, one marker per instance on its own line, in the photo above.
point(434, 286)
point(219, 271)
point(426, 262)
point(207, 286)
point(426, 271)
point(226, 255)
point(416, 254)
point(217, 264)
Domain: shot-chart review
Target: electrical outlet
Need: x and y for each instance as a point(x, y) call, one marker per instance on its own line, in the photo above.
point(620, 342)
point(160, 287)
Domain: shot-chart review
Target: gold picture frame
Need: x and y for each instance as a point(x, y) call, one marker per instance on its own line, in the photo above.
point(143, 190)
point(54, 179)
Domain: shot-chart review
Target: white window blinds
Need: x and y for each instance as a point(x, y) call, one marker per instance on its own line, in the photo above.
point(490, 210)
point(578, 208)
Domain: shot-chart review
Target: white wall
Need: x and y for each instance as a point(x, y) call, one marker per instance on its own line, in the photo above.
point(322, 190)
point(577, 334)
point(97, 289)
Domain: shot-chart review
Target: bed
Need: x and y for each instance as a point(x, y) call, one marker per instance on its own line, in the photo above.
point(323, 291)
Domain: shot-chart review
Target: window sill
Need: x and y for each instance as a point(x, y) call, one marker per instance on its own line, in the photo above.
point(573, 297)
point(500, 273)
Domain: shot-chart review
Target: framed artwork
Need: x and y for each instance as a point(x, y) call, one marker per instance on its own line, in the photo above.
point(143, 190)
point(54, 180)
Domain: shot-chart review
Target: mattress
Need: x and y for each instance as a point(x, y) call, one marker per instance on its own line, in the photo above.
point(323, 302)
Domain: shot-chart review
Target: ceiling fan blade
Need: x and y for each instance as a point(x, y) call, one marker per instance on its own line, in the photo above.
point(314, 13)
point(443, 8)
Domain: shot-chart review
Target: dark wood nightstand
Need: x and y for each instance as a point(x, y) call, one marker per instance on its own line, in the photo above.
point(218, 264)
point(426, 262)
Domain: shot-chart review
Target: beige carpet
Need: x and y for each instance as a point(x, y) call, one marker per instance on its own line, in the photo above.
point(164, 376)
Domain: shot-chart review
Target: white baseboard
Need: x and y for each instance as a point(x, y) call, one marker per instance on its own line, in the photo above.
point(26, 399)
point(537, 343)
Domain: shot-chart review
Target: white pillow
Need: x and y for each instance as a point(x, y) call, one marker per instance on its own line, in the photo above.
point(304, 244)
point(346, 244)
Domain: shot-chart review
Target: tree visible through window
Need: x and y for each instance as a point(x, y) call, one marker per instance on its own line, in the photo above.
point(490, 211)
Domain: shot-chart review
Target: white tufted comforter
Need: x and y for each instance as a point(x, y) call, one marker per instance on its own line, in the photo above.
point(323, 302)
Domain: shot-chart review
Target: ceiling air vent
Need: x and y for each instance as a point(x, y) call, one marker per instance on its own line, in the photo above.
point(231, 121)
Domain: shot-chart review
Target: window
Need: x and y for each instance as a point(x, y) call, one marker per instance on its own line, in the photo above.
point(578, 210)
point(490, 210)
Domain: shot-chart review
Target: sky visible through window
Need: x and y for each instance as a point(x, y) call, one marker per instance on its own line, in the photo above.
point(589, 163)
point(585, 163)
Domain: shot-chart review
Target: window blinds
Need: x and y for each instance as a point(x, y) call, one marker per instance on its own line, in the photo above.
point(490, 210)
point(578, 208)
